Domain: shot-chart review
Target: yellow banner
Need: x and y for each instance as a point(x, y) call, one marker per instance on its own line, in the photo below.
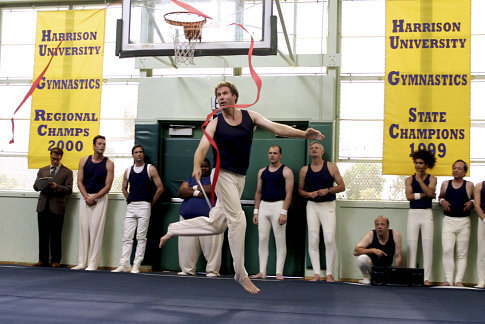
point(66, 103)
point(427, 83)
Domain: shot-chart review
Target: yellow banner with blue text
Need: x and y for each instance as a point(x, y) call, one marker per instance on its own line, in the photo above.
point(66, 103)
point(427, 83)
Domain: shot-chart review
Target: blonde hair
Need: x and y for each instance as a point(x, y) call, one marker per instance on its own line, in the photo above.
point(314, 142)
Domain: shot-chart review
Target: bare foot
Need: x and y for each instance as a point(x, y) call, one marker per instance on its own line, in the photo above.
point(164, 239)
point(446, 283)
point(279, 276)
point(427, 283)
point(329, 278)
point(259, 275)
point(249, 286)
point(316, 277)
point(459, 284)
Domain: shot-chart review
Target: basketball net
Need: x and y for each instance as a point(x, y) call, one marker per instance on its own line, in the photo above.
point(184, 46)
point(186, 30)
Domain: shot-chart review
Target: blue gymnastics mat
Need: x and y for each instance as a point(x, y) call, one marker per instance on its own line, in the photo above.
point(48, 295)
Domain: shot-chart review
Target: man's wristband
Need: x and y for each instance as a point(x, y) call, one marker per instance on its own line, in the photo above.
point(473, 201)
point(194, 187)
point(441, 199)
point(255, 211)
point(284, 212)
point(196, 193)
point(417, 196)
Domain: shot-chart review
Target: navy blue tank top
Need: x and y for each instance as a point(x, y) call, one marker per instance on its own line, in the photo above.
point(141, 186)
point(234, 143)
point(94, 175)
point(389, 248)
point(273, 184)
point(482, 196)
point(457, 199)
point(425, 202)
point(319, 180)
point(195, 206)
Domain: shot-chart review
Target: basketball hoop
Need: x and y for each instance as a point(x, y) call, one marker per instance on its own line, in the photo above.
point(192, 27)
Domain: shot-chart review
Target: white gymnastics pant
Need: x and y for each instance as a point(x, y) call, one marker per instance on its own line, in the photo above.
point(227, 213)
point(364, 262)
point(321, 213)
point(481, 253)
point(91, 230)
point(420, 219)
point(455, 230)
point(137, 218)
point(269, 214)
point(190, 247)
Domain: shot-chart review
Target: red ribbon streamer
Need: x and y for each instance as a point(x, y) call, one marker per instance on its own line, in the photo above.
point(32, 89)
point(254, 76)
point(190, 9)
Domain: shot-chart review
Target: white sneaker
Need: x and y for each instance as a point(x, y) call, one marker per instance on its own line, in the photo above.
point(212, 274)
point(79, 267)
point(135, 269)
point(181, 273)
point(121, 268)
point(365, 281)
point(91, 268)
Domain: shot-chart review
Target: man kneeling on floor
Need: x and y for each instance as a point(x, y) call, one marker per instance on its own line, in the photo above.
point(378, 248)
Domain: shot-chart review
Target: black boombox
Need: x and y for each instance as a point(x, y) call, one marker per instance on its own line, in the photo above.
point(382, 276)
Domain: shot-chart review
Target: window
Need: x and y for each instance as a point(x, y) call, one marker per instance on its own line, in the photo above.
point(118, 102)
point(362, 102)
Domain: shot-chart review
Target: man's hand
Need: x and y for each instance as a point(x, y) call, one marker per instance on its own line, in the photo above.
point(312, 133)
point(52, 185)
point(323, 192)
point(282, 219)
point(313, 194)
point(468, 206)
point(255, 219)
point(379, 253)
point(90, 201)
point(445, 205)
point(418, 176)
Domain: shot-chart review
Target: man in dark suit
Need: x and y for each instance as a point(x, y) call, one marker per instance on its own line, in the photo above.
point(54, 183)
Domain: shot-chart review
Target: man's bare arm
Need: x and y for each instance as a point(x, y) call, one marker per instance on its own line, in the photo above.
point(365, 241)
point(284, 130)
point(257, 196)
point(203, 148)
point(469, 190)
point(398, 248)
point(334, 171)
point(158, 184)
point(443, 202)
point(289, 183)
point(409, 188)
point(124, 185)
point(478, 198)
point(80, 177)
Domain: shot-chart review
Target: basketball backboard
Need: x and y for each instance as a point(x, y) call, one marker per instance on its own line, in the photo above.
point(144, 31)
